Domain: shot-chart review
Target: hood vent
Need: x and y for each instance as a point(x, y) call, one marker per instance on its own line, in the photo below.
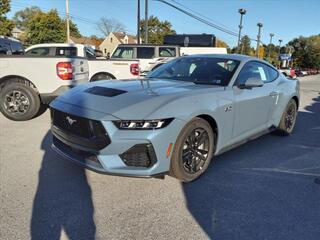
point(106, 92)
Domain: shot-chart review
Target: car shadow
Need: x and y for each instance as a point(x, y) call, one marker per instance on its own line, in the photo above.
point(63, 200)
point(265, 189)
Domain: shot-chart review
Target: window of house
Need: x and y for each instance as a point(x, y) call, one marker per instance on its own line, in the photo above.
point(105, 51)
point(111, 40)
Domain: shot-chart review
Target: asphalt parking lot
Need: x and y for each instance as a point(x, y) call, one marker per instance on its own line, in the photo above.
point(265, 189)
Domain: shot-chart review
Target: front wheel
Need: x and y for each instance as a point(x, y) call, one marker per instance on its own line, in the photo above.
point(288, 119)
point(193, 150)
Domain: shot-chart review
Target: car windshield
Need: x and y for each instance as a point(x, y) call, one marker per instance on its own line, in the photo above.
point(199, 70)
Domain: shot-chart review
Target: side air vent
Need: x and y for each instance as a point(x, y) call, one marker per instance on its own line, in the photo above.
point(103, 91)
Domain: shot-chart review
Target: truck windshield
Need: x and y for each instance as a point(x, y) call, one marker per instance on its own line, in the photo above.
point(199, 70)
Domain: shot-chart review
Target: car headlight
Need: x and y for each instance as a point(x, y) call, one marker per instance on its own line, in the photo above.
point(143, 124)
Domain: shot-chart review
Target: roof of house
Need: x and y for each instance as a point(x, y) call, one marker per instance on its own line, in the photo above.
point(121, 35)
point(86, 41)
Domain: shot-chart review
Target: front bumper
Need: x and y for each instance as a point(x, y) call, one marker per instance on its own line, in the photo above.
point(111, 159)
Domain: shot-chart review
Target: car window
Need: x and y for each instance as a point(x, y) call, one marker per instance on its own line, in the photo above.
point(252, 70)
point(272, 74)
point(66, 51)
point(123, 52)
point(145, 52)
point(17, 48)
point(198, 70)
point(41, 51)
point(90, 53)
point(167, 52)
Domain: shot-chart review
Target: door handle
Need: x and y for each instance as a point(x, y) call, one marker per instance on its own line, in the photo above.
point(273, 94)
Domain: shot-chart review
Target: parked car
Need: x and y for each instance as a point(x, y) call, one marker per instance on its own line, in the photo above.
point(150, 55)
point(27, 83)
point(176, 119)
point(288, 72)
point(99, 68)
point(10, 46)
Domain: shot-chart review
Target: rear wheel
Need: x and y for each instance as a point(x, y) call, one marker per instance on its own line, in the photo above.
point(288, 119)
point(193, 150)
point(101, 76)
point(19, 100)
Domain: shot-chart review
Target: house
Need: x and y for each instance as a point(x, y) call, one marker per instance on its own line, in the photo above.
point(16, 33)
point(91, 42)
point(113, 39)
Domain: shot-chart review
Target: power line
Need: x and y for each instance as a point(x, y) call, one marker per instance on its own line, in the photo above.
point(201, 19)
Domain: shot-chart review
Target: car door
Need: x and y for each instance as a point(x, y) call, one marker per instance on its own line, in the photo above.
point(253, 106)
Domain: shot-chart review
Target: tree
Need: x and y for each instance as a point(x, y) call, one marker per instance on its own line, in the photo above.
point(46, 27)
point(108, 25)
point(6, 25)
point(156, 30)
point(245, 46)
point(74, 31)
point(220, 43)
point(306, 51)
point(22, 17)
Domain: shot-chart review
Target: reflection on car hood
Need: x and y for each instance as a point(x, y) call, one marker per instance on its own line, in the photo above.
point(130, 99)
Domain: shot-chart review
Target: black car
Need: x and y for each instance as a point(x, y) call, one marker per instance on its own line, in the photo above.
point(10, 46)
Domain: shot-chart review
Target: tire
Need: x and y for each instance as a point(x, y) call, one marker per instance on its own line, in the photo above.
point(185, 154)
point(19, 100)
point(288, 119)
point(101, 76)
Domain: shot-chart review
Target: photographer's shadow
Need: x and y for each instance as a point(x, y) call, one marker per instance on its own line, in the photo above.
point(63, 201)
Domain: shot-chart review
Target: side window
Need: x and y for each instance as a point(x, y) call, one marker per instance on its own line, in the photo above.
point(66, 51)
point(17, 48)
point(123, 52)
point(252, 70)
point(272, 74)
point(167, 52)
point(145, 52)
point(38, 51)
point(3, 48)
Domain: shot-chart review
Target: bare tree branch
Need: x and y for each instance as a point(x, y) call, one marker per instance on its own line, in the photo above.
point(106, 26)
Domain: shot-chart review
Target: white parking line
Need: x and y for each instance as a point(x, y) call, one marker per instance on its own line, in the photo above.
point(282, 171)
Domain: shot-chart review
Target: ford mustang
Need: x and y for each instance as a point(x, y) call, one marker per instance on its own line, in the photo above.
point(176, 119)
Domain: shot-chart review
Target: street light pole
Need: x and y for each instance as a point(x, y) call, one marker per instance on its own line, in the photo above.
point(146, 20)
point(280, 41)
point(138, 23)
point(260, 25)
point(68, 25)
point(269, 49)
point(242, 12)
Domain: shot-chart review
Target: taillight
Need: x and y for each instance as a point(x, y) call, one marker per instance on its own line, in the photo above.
point(64, 70)
point(134, 69)
point(292, 72)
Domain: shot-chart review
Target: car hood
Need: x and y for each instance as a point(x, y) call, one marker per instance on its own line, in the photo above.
point(129, 99)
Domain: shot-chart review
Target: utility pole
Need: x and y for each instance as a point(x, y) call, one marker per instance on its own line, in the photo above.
point(138, 23)
point(242, 12)
point(68, 25)
point(280, 41)
point(260, 25)
point(269, 48)
point(146, 20)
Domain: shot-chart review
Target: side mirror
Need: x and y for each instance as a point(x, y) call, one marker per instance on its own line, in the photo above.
point(251, 83)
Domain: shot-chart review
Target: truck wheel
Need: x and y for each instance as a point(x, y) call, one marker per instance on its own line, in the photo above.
point(19, 100)
point(193, 150)
point(101, 76)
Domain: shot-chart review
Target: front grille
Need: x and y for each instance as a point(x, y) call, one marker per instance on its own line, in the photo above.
point(79, 132)
point(78, 126)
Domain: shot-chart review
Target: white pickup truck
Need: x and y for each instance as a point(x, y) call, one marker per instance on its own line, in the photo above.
point(28, 83)
point(99, 68)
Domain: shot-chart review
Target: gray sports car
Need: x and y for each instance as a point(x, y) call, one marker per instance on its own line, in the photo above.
point(176, 119)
